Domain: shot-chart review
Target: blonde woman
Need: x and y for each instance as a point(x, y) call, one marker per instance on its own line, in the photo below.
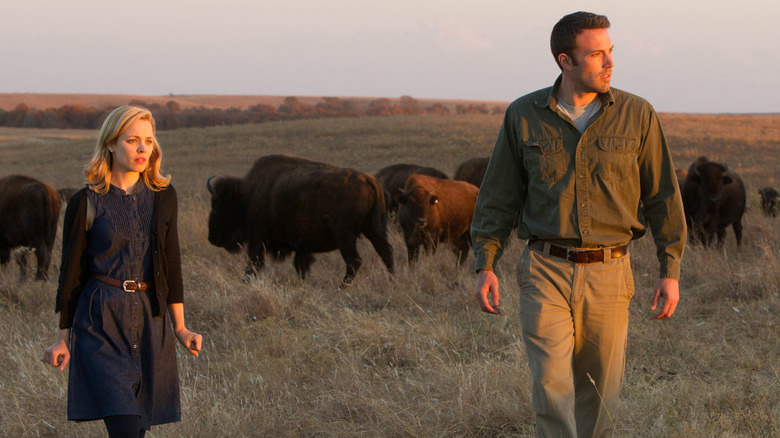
point(120, 290)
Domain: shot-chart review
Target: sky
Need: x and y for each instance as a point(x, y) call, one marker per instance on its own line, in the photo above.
point(687, 56)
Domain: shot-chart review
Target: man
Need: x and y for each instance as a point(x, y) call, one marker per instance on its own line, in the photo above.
point(590, 166)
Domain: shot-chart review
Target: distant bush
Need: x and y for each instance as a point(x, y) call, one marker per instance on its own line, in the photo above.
point(172, 116)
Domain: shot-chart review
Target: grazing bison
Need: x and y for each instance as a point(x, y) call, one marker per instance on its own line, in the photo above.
point(713, 198)
point(393, 178)
point(29, 211)
point(769, 201)
point(287, 204)
point(472, 170)
point(434, 210)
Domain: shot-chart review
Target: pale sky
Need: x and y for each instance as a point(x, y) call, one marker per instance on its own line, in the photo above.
point(693, 56)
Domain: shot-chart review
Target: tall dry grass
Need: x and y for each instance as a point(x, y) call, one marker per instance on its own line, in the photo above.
point(410, 354)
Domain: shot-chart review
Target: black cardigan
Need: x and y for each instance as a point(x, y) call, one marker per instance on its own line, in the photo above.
point(166, 256)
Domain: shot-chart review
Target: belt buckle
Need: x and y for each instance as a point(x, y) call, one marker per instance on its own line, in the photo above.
point(127, 283)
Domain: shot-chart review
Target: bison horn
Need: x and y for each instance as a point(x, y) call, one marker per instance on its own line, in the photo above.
point(693, 172)
point(208, 184)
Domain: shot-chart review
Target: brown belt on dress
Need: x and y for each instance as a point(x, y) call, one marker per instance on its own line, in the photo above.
point(579, 256)
point(126, 285)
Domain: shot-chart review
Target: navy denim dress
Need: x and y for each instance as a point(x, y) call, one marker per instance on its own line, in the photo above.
point(123, 360)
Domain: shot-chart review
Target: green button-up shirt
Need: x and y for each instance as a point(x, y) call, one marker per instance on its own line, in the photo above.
point(597, 189)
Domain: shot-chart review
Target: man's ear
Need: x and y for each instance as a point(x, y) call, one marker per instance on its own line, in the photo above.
point(565, 61)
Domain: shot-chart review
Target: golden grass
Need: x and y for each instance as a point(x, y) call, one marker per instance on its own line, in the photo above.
point(411, 355)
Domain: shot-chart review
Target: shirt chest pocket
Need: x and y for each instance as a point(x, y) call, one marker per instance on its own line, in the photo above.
point(617, 158)
point(545, 160)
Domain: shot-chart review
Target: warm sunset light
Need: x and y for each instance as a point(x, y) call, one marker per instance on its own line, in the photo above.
point(360, 219)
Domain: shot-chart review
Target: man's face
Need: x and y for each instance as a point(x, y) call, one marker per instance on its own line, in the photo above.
point(592, 70)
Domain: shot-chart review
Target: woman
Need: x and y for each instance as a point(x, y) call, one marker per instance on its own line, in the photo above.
point(120, 272)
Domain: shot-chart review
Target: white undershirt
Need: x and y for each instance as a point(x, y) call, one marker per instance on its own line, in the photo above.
point(580, 115)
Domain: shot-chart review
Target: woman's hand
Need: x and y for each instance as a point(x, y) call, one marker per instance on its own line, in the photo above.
point(58, 354)
point(190, 340)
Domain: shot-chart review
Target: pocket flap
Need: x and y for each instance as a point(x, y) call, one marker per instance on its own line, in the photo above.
point(618, 144)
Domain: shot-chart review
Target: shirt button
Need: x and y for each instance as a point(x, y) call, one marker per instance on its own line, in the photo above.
point(582, 204)
point(135, 346)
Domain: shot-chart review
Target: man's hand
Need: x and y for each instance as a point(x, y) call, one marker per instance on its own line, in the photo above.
point(487, 283)
point(668, 290)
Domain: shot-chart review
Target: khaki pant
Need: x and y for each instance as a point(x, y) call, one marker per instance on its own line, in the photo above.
point(575, 323)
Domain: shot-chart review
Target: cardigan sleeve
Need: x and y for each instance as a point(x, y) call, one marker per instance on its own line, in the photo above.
point(171, 250)
point(74, 246)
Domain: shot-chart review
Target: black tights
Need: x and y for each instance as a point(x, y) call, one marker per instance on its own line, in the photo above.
point(124, 426)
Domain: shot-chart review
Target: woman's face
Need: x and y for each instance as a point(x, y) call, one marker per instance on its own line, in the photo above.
point(133, 148)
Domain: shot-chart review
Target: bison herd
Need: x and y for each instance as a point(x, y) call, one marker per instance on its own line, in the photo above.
point(287, 205)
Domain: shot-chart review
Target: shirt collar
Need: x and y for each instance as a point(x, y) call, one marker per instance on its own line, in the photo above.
point(551, 97)
point(140, 190)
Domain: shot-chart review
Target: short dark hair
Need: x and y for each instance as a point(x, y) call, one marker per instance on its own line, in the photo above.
point(564, 34)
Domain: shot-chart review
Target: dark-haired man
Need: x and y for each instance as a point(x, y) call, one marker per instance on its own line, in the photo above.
point(590, 166)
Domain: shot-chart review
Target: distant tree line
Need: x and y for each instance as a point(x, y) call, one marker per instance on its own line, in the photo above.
point(172, 116)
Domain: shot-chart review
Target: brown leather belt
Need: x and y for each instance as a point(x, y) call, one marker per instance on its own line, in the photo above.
point(127, 285)
point(578, 256)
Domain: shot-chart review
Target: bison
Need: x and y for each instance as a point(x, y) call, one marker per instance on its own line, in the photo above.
point(393, 178)
point(472, 170)
point(287, 204)
point(769, 201)
point(434, 210)
point(29, 212)
point(713, 198)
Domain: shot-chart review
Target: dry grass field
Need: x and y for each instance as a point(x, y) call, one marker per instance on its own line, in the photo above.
point(411, 355)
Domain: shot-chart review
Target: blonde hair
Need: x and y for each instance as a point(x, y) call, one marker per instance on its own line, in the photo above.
point(98, 170)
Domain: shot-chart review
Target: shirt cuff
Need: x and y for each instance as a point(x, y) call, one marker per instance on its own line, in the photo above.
point(670, 268)
point(484, 261)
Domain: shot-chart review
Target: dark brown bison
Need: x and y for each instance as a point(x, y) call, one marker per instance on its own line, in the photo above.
point(472, 170)
point(434, 210)
point(287, 204)
point(393, 178)
point(29, 211)
point(713, 198)
point(769, 201)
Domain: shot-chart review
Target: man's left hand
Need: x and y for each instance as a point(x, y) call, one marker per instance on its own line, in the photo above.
point(668, 290)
